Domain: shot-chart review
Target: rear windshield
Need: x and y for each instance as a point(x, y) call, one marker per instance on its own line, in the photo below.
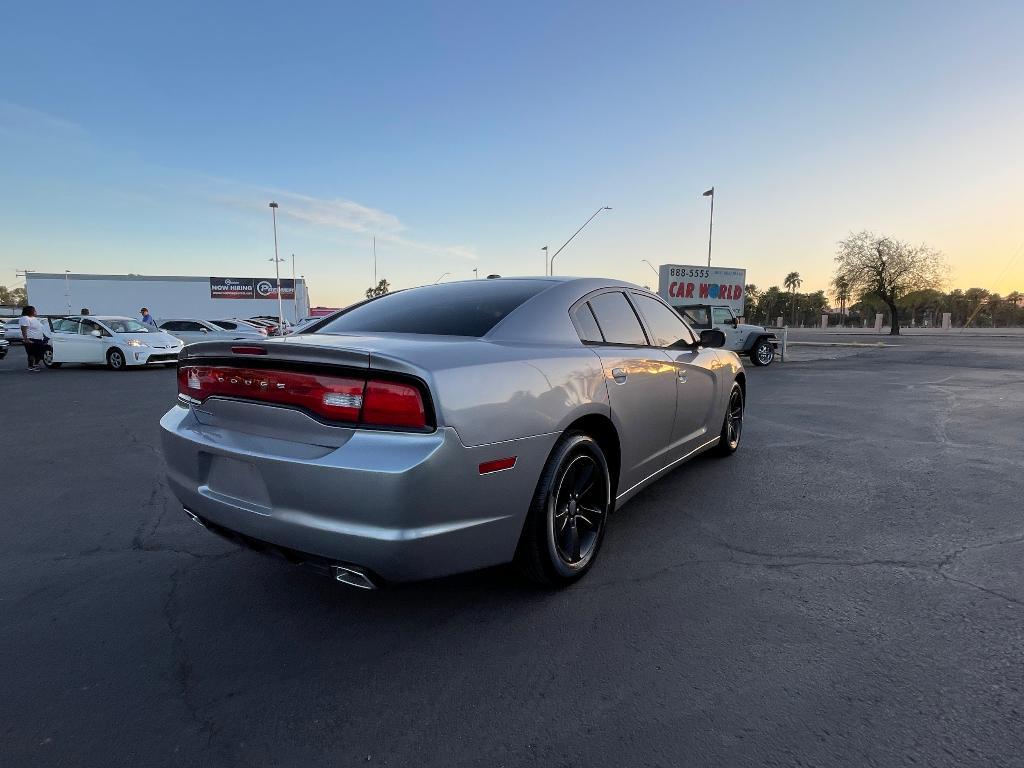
point(470, 308)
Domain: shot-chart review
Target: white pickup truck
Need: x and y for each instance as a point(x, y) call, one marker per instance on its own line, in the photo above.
point(755, 341)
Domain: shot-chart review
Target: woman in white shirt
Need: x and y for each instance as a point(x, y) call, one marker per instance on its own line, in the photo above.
point(33, 336)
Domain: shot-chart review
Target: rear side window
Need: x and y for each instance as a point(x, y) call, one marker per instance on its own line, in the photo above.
point(88, 326)
point(586, 325)
point(225, 325)
point(662, 322)
point(618, 321)
point(470, 308)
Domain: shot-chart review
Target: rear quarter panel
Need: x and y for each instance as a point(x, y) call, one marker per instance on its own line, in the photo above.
point(515, 391)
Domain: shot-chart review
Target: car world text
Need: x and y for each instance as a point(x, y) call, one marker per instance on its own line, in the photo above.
point(683, 290)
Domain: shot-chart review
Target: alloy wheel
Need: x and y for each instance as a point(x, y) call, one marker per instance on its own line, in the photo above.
point(579, 506)
point(734, 419)
point(765, 353)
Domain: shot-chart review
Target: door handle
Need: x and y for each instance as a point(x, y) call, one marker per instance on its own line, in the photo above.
point(620, 375)
point(681, 377)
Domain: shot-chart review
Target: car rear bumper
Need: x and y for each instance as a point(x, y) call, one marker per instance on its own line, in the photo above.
point(401, 506)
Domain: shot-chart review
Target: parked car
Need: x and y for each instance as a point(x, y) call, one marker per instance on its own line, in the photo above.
point(269, 325)
point(243, 327)
point(302, 323)
point(274, 320)
point(117, 342)
point(753, 341)
point(4, 346)
point(191, 331)
point(449, 427)
point(12, 331)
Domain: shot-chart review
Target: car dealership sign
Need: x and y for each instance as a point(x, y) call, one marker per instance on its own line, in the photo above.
point(249, 288)
point(685, 284)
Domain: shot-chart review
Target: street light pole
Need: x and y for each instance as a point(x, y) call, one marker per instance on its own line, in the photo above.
point(711, 224)
point(277, 269)
point(645, 261)
point(603, 208)
point(295, 292)
point(545, 249)
point(67, 290)
point(442, 277)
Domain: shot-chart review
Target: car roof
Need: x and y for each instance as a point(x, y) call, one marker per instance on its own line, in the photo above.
point(94, 317)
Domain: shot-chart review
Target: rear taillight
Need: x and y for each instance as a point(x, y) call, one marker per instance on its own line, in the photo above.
point(393, 404)
point(354, 400)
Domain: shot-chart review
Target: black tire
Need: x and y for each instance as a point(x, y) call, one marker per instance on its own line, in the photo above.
point(48, 359)
point(116, 361)
point(732, 424)
point(557, 548)
point(762, 353)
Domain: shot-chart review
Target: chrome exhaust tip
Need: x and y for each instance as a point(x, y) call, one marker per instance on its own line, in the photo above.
point(353, 576)
point(194, 517)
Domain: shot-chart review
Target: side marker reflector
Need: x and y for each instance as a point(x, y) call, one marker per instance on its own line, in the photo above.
point(497, 465)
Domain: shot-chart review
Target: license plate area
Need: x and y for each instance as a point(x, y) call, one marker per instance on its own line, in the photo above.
point(234, 481)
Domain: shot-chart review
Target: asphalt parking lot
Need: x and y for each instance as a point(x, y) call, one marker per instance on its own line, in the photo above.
point(845, 591)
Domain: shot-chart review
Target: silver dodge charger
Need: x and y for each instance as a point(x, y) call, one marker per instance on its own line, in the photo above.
point(449, 427)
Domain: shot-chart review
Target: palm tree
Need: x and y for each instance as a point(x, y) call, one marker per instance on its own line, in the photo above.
point(793, 282)
point(841, 290)
point(751, 295)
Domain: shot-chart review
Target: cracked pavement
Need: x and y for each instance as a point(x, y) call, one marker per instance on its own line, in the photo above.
point(848, 590)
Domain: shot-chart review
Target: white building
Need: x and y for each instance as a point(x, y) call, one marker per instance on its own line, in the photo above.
point(209, 298)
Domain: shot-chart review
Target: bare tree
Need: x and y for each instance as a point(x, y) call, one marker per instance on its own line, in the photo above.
point(888, 268)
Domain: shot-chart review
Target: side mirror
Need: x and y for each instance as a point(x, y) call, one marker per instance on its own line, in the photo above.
point(735, 323)
point(204, 330)
point(97, 334)
point(712, 337)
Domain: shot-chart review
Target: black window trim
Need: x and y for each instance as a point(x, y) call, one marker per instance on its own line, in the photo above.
point(584, 303)
point(625, 292)
point(650, 333)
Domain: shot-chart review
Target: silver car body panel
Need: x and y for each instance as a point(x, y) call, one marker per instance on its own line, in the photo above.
point(414, 505)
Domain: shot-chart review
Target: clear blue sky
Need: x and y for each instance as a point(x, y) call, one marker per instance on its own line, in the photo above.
point(149, 137)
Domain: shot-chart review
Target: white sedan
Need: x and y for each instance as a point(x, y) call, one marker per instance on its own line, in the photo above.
point(117, 342)
point(242, 327)
point(191, 331)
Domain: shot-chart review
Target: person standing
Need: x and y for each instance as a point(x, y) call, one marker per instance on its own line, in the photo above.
point(33, 336)
point(147, 318)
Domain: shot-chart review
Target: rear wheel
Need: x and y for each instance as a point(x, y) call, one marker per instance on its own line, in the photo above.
point(567, 519)
point(116, 360)
point(732, 426)
point(762, 353)
point(48, 359)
